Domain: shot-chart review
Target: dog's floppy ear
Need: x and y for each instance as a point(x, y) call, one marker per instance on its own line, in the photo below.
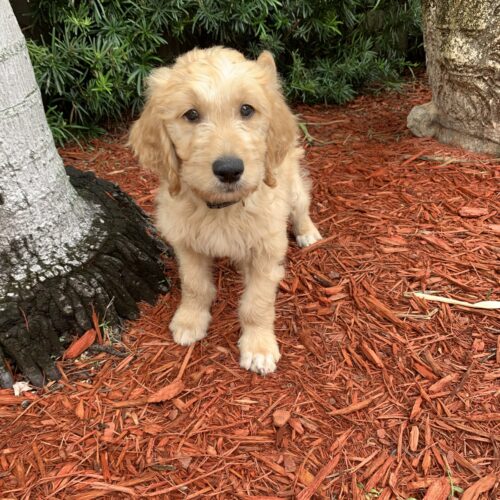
point(282, 135)
point(148, 136)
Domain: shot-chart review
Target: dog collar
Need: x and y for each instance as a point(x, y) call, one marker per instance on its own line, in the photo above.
point(224, 204)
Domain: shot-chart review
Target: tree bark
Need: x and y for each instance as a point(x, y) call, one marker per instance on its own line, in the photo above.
point(462, 45)
point(69, 245)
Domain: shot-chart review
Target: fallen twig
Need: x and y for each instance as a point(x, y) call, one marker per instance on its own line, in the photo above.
point(485, 304)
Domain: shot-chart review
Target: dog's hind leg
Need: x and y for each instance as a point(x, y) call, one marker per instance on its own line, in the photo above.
point(191, 320)
point(303, 227)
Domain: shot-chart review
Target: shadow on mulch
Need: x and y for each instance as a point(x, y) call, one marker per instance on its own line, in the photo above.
point(379, 393)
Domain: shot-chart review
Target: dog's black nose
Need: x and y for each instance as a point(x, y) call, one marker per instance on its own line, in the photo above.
point(228, 168)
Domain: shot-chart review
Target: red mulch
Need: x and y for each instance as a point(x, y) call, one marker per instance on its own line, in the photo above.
point(378, 394)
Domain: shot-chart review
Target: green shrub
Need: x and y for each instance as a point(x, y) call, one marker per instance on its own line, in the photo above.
point(326, 49)
point(91, 67)
point(92, 64)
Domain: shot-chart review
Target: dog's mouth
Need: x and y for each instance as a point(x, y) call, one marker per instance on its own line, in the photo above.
point(224, 195)
point(227, 196)
point(229, 191)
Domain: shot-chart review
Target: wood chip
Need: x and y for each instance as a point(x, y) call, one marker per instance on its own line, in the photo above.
point(80, 344)
point(414, 435)
point(416, 409)
point(308, 492)
point(484, 485)
point(167, 392)
point(473, 211)
point(442, 383)
point(281, 417)
point(164, 394)
point(438, 490)
point(353, 407)
point(376, 478)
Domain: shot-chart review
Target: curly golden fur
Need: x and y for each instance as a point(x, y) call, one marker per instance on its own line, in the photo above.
point(210, 106)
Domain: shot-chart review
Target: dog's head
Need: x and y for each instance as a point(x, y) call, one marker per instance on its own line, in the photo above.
point(216, 123)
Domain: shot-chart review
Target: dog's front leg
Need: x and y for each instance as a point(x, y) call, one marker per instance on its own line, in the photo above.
point(191, 320)
point(259, 351)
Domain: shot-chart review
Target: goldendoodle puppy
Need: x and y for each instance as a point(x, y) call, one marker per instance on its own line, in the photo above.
point(218, 132)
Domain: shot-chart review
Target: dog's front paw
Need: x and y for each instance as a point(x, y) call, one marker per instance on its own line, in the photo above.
point(306, 239)
point(188, 326)
point(259, 351)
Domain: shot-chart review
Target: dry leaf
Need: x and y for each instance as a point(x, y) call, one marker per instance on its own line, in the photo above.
point(80, 344)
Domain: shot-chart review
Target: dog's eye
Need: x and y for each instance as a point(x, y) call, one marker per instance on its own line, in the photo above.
point(192, 115)
point(246, 111)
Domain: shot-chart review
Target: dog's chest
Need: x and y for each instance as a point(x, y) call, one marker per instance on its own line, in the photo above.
point(235, 234)
point(238, 231)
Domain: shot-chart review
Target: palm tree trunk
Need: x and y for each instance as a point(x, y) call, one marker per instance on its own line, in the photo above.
point(69, 244)
point(46, 226)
